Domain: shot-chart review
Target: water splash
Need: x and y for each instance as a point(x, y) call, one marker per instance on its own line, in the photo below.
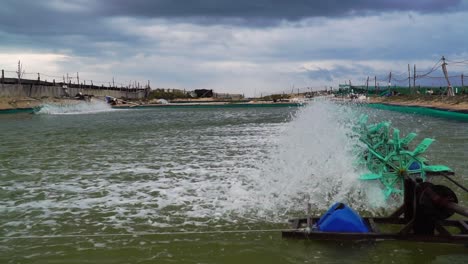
point(313, 161)
point(74, 108)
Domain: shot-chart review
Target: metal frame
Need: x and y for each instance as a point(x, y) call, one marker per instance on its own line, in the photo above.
point(407, 217)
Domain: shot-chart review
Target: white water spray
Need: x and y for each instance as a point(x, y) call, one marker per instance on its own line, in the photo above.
point(74, 108)
point(312, 162)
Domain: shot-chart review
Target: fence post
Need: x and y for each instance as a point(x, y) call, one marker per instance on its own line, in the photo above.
point(3, 76)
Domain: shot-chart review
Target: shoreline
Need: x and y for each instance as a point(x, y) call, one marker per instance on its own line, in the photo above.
point(457, 104)
point(29, 105)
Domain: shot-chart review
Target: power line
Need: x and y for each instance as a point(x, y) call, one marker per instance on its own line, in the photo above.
point(458, 62)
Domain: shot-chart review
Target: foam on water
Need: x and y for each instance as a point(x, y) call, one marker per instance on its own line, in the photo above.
point(312, 161)
point(80, 107)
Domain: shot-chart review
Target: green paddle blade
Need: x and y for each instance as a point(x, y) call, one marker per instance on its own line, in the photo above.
point(423, 146)
point(370, 176)
point(437, 168)
point(406, 140)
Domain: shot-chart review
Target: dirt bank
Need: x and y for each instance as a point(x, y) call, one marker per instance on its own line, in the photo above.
point(8, 103)
point(455, 103)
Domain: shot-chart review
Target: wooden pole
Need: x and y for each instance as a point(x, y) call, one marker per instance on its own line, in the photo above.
point(389, 81)
point(414, 77)
point(367, 86)
point(375, 84)
point(19, 72)
point(3, 76)
point(449, 86)
point(461, 79)
point(409, 79)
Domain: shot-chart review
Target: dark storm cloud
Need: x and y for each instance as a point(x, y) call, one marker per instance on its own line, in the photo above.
point(68, 17)
point(61, 18)
point(266, 9)
point(54, 25)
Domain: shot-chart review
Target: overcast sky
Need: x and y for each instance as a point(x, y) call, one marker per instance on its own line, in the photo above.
point(242, 46)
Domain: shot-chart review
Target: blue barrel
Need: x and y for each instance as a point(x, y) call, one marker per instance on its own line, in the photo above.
point(340, 218)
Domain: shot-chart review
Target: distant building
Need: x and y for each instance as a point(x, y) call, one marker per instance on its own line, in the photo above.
point(203, 93)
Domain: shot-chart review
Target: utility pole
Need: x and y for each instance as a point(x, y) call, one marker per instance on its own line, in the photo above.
point(414, 77)
point(462, 80)
point(444, 69)
point(78, 80)
point(389, 81)
point(20, 72)
point(409, 78)
point(367, 87)
point(375, 84)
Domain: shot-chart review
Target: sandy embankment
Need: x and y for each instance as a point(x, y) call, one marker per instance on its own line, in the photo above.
point(455, 103)
point(7, 103)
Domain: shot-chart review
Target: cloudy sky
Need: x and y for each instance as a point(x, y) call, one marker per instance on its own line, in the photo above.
point(242, 46)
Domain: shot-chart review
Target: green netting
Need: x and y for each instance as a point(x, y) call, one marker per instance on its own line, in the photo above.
point(404, 90)
point(422, 111)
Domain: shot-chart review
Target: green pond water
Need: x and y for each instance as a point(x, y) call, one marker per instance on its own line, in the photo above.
point(89, 184)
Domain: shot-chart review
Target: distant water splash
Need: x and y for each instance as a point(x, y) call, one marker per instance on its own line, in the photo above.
point(311, 162)
point(80, 107)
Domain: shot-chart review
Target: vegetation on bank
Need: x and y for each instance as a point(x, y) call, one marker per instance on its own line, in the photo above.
point(275, 97)
point(167, 94)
